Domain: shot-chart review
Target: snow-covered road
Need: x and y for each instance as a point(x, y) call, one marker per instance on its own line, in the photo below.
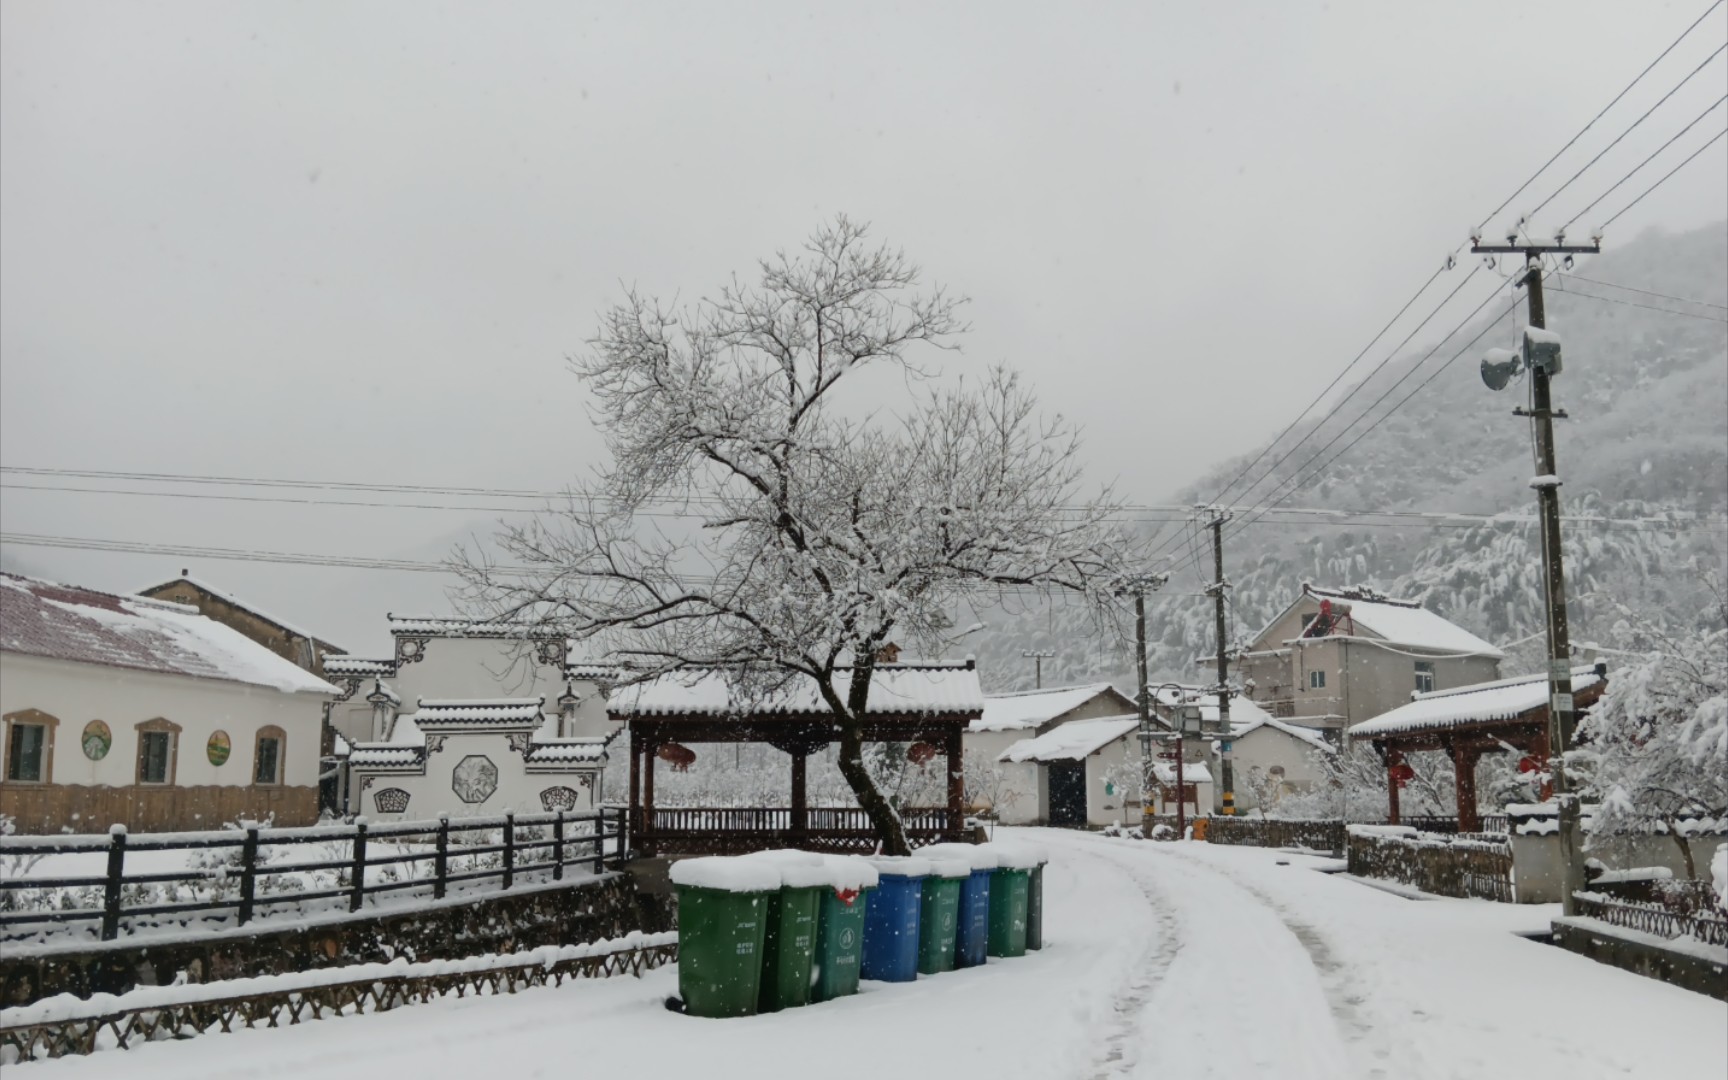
point(1176, 961)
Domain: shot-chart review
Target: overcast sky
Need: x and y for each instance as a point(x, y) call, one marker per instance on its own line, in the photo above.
point(356, 241)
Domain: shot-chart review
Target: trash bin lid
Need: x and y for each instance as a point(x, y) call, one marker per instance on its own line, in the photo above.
point(1018, 856)
point(976, 856)
point(726, 873)
point(900, 865)
point(850, 872)
point(798, 869)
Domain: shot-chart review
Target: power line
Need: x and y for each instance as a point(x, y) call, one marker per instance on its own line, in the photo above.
point(1644, 292)
point(1627, 90)
point(1646, 307)
point(1671, 140)
point(1689, 76)
point(1665, 177)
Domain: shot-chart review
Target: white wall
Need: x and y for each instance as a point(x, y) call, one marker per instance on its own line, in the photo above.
point(1265, 748)
point(434, 793)
point(77, 693)
point(1019, 786)
point(1114, 761)
point(485, 668)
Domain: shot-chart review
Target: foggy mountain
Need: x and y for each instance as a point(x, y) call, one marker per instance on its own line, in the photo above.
point(1647, 440)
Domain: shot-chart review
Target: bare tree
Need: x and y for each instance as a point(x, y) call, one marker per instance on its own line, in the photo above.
point(823, 537)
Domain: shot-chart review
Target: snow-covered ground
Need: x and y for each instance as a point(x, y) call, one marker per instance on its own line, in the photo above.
point(1162, 960)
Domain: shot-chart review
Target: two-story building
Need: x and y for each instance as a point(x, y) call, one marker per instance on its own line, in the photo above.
point(1337, 657)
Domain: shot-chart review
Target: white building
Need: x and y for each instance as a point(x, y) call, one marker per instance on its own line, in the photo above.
point(142, 712)
point(1016, 790)
point(1088, 771)
point(470, 718)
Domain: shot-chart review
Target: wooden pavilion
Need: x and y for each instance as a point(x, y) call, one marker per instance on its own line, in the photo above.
point(1469, 721)
point(928, 704)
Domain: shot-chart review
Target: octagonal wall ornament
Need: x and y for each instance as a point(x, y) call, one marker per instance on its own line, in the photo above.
point(474, 779)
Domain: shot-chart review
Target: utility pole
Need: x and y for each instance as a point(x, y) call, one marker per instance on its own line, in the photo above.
point(1227, 779)
point(1038, 659)
point(1561, 716)
point(1143, 698)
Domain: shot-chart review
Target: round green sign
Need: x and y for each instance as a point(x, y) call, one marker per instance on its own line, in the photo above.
point(97, 741)
point(218, 748)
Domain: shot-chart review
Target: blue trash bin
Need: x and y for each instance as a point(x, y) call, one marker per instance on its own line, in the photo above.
point(972, 939)
point(891, 919)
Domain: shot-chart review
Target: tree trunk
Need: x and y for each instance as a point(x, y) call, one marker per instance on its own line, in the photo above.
point(1685, 849)
point(890, 830)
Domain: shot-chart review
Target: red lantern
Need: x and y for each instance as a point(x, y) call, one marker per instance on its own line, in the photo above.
point(1402, 773)
point(921, 753)
point(679, 757)
point(1528, 764)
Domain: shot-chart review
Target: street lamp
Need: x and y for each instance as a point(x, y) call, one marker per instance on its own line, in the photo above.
point(1188, 722)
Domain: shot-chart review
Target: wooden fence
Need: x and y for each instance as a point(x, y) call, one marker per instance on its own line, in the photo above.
point(1657, 919)
point(244, 879)
point(692, 830)
point(180, 1012)
point(1475, 865)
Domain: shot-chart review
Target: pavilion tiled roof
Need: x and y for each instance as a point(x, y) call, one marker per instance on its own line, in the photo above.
point(1502, 699)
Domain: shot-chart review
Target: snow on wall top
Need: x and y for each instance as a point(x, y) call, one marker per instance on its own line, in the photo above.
point(1405, 622)
point(1015, 712)
point(1239, 729)
point(437, 626)
point(567, 751)
point(66, 622)
point(223, 594)
point(1071, 741)
point(429, 713)
point(341, 666)
point(895, 688)
point(1501, 699)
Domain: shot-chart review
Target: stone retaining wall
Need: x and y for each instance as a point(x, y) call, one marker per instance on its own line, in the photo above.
point(564, 913)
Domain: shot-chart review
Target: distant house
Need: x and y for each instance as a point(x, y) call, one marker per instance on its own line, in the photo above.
point(1088, 771)
point(1337, 657)
point(1015, 789)
point(140, 712)
point(468, 717)
point(1271, 758)
point(297, 646)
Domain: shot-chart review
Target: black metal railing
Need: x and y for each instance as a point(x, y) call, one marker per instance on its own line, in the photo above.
point(1654, 918)
point(236, 876)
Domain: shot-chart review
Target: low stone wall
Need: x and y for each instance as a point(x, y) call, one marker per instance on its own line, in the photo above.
point(1683, 963)
point(1477, 865)
point(563, 913)
point(1319, 834)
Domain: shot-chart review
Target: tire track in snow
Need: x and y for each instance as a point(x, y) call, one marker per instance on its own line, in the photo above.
point(1345, 998)
point(1117, 1053)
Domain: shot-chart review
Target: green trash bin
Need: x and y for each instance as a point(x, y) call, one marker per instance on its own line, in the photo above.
point(722, 919)
point(1010, 888)
point(939, 915)
point(840, 927)
point(789, 944)
point(1035, 908)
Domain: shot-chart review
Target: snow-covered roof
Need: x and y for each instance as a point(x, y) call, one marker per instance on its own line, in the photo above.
point(66, 622)
point(387, 756)
point(440, 626)
point(357, 667)
point(1478, 703)
point(1404, 622)
point(1193, 772)
point(589, 671)
point(1242, 723)
point(224, 595)
point(1033, 708)
point(894, 688)
point(489, 712)
point(1072, 741)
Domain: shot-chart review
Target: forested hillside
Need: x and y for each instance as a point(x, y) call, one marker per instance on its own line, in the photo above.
point(1647, 443)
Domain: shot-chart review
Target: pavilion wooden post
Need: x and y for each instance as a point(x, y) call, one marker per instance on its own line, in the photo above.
point(956, 785)
point(800, 798)
point(1464, 771)
point(650, 748)
point(635, 783)
point(1393, 760)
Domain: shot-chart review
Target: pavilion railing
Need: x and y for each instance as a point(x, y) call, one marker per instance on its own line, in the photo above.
point(727, 829)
